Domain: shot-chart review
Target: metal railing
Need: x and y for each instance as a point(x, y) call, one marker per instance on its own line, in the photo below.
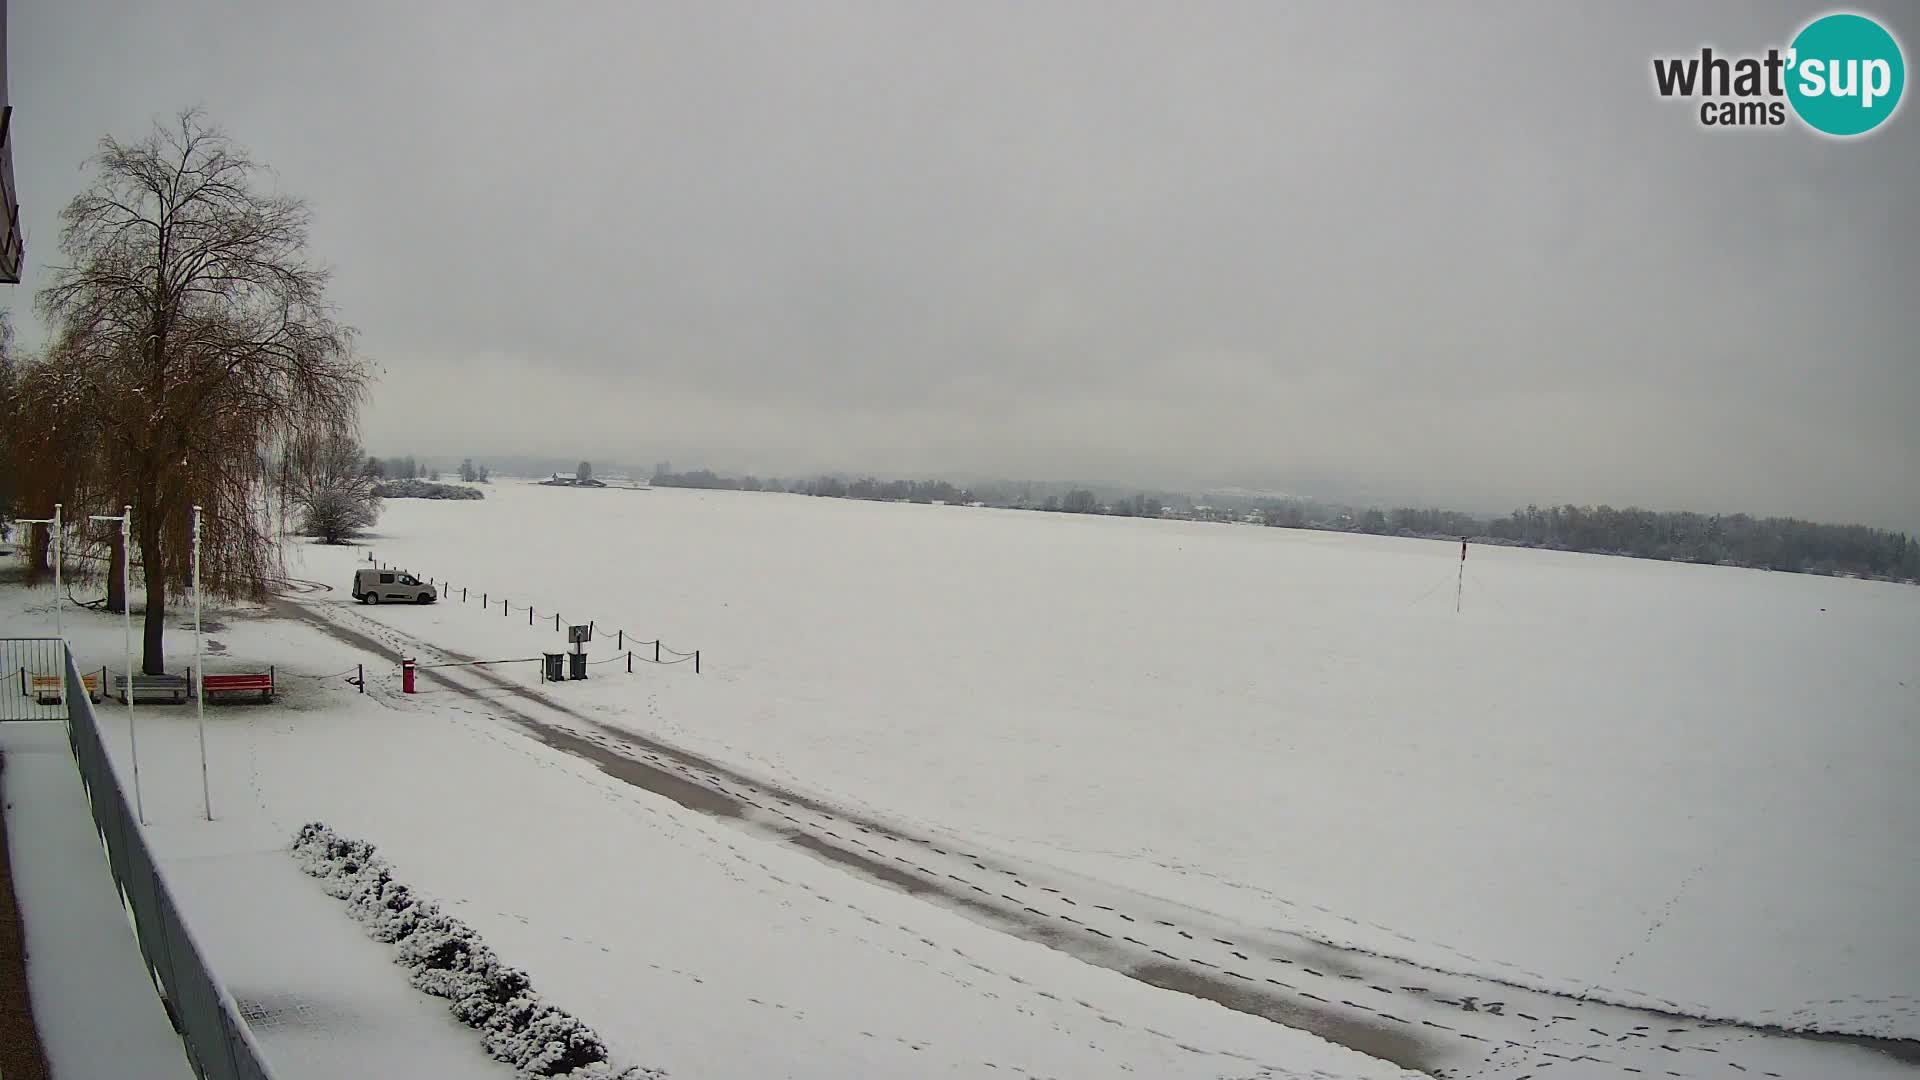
point(218, 1042)
point(32, 675)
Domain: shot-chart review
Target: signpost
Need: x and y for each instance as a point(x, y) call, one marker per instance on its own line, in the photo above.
point(578, 636)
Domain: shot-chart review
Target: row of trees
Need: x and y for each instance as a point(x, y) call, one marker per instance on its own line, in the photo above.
point(193, 360)
point(407, 468)
point(1735, 539)
point(1773, 543)
point(919, 491)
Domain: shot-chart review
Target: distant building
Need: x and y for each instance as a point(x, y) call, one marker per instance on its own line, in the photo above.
point(560, 479)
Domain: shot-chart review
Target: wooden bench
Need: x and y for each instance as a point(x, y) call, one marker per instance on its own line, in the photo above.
point(260, 682)
point(46, 688)
point(168, 688)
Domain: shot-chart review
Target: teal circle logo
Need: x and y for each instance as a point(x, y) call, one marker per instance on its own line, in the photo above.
point(1845, 74)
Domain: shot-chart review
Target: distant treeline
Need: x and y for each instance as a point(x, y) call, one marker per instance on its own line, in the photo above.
point(406, 468)
point(1772, 543)
point(1734, 539)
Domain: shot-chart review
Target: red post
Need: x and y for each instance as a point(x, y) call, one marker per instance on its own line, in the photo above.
point(406, 675)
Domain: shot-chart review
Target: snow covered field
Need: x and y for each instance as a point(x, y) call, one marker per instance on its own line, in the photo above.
point(1682, 787)
point(1647, 780)
point(687, 943)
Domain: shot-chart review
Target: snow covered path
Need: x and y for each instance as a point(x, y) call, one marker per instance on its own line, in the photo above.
point(94, 1004)
point(1418, 1016)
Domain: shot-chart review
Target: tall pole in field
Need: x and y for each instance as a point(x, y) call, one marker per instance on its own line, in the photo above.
point(200, 676)
point(1461, 582)
point(126, 587)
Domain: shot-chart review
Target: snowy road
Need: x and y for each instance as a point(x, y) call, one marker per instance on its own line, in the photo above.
point(1417, 1016)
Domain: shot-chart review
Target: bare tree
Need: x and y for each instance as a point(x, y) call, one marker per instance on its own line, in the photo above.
point(191, 324)
point(330, 487)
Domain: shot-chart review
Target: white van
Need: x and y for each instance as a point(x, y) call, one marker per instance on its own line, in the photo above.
point(391, 587)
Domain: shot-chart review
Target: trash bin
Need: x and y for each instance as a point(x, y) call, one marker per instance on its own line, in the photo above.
point(576, 665)
point(552, 669)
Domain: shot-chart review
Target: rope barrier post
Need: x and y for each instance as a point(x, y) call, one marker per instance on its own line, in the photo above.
point(656, 650)
point(556, 619)
point(362, 669)
point(696, 661)
point(619, 639)
point(530, 615)
point(629, 661)
point(463, 594)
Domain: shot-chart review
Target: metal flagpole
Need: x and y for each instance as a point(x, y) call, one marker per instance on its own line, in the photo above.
point(199, 675)
point(126, 586)
point(59, 594)
point(1460, 584)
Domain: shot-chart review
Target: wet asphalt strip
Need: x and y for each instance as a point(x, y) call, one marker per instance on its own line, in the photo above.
point(1423, 1045)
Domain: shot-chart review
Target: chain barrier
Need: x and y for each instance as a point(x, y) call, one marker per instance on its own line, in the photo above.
point(507, 608)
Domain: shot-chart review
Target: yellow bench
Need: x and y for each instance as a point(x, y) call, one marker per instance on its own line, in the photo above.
point(46, 688)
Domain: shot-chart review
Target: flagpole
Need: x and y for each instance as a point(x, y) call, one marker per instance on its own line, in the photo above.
point(1461, 582)
point(59, 622)
point(199, 675)
point(126, 608)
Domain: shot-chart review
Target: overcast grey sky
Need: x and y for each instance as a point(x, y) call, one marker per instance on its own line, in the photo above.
point(1455, 253)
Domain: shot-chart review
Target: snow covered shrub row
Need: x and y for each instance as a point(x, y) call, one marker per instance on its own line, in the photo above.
point(445, 958)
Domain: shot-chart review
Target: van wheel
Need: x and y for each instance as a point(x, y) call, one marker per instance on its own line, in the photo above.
point(423, 598)
point(373, 598)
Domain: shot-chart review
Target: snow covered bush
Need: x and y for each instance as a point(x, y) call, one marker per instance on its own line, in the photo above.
point(445, 958)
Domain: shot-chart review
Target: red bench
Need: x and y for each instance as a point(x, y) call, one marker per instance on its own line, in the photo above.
point(253, 682)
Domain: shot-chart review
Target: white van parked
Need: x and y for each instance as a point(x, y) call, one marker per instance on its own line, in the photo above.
point(391, 587)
